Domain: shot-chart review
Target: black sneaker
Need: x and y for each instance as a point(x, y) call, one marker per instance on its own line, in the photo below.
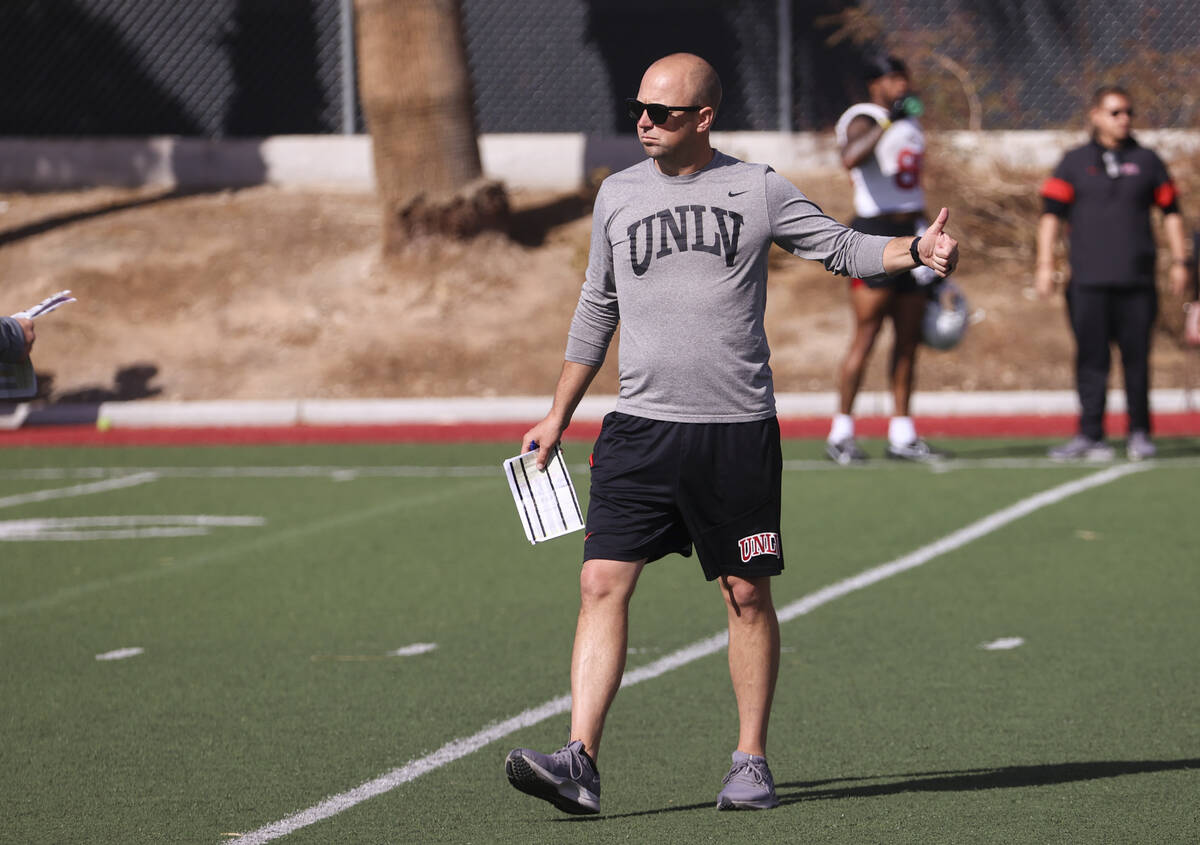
point(567, 778)
point(918, 450)
point(845, 452)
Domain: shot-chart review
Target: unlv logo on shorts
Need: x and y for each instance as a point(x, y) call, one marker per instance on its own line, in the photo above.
point(766, 543)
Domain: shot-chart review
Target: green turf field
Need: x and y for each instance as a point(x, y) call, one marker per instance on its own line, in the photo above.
point(270, 588)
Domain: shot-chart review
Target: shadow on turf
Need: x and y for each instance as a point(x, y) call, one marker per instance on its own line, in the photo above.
point(964, 780)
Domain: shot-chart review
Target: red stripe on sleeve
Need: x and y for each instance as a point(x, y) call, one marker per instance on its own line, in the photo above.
point(1058, 189)
point(1165, 195)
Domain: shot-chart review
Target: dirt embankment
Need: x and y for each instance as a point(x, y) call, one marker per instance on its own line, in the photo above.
point(273, 293)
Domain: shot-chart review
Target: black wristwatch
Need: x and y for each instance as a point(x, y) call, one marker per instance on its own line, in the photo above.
point(912, 250)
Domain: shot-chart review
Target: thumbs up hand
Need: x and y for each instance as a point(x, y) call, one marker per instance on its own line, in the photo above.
point(937, 249)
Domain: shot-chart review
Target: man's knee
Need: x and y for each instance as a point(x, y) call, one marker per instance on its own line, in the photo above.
point(607, 580)
point(747, 598)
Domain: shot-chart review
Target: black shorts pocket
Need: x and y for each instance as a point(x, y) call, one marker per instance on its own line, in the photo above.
point(749, 545)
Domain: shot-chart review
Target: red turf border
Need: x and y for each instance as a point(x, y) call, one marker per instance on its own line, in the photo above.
point(1184, 424)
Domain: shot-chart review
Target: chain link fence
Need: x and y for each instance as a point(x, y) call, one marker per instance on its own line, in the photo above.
point(230, 68)
point(1033, 64)
point(212, 69)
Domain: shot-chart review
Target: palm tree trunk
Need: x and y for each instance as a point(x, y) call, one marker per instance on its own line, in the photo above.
point(416, 96)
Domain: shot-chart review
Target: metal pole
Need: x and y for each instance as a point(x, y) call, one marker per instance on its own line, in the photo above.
point(349, 85)
point(784, 64)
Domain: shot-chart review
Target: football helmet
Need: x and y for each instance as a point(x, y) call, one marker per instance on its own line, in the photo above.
point(946, 316)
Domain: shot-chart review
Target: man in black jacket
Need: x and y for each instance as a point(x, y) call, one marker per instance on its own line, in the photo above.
point(1104, 191)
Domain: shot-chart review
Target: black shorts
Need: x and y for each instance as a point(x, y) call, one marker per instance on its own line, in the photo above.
point(660, 487)
point(901, 282)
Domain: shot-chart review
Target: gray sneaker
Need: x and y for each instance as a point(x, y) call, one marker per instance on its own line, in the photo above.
point(918, 450)
point(1140, 447)
point(845, 452)
point(1084, 448)
point(748, 786)
point(568, 778)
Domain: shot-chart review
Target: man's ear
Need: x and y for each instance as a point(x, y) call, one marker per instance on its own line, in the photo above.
point(707, 116)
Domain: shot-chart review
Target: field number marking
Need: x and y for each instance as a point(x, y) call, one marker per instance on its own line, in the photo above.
point(248, 547)
point(119, 527)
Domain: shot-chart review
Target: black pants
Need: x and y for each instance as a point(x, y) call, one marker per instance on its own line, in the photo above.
point(1099, 316)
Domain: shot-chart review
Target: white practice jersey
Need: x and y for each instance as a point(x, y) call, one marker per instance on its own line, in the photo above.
point(889, 180)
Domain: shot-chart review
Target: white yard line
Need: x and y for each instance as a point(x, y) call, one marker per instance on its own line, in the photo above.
point(108, 485)
point(336, 473)
point(458, 748)
point(351, 473)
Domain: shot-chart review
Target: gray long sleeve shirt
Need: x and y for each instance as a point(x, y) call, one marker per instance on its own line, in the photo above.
point(681, 263)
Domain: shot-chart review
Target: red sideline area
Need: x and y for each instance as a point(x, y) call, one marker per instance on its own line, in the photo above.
point(1168, 425)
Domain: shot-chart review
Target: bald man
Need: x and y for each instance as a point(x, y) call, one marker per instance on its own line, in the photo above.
point(690, 457)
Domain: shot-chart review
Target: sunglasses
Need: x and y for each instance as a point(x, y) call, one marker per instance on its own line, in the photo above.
point(658, 113)
point(1119, 112)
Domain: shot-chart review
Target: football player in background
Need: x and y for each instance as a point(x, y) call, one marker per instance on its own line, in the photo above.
point(882, 146)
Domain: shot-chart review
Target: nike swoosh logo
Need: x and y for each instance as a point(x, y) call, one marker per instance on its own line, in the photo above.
point(738, 193)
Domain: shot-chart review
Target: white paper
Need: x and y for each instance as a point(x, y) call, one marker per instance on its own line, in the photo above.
point(47, 305)
point(545, 499)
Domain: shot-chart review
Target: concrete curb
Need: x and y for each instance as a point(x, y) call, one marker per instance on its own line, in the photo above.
point(561, 161)
point(458, 410)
